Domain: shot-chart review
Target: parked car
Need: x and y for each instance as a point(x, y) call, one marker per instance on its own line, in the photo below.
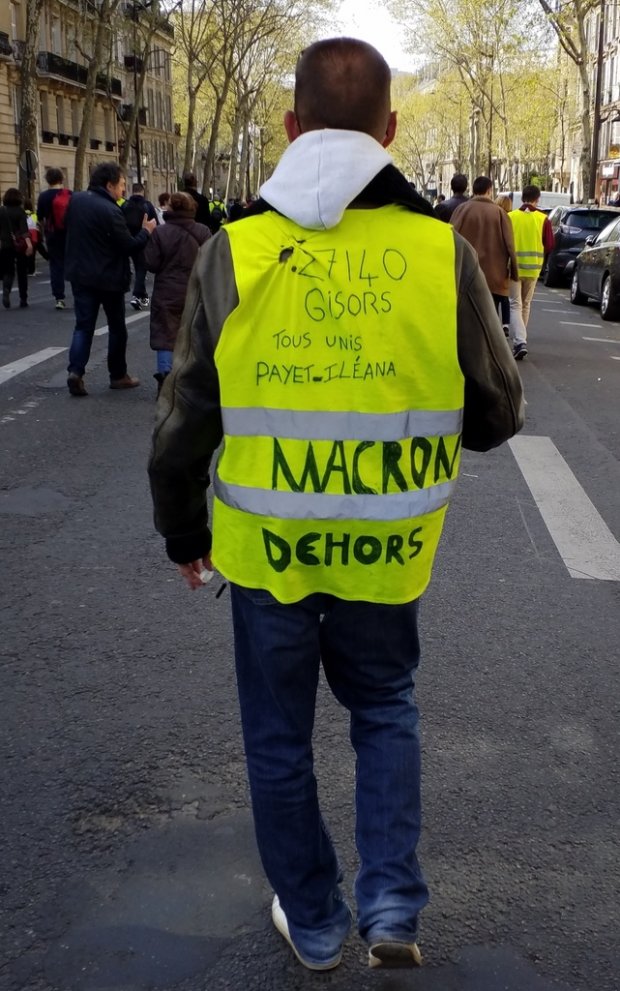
point(571, 226)
point(596, 273)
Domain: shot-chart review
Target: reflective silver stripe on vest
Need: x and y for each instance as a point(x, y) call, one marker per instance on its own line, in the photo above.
point(312, 425)
point(530, 254)
point(522, 265)
point(326, 506)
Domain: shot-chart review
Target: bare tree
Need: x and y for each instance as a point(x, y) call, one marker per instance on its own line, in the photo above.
point(199, 46)
point(97, 25)
point(568, 20)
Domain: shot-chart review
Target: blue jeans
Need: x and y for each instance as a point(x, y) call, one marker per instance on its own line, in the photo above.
point(56, 252)
point(369, 655)
point(86, 301)
point(164, 361)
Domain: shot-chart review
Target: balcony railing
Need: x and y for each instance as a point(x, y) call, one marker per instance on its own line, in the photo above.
point(48, 63)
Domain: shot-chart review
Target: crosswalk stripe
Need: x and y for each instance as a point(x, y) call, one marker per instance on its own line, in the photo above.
point(585, 543)
point(29, 361)
point(7, 372)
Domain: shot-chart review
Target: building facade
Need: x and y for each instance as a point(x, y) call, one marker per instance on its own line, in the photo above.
point(62, 65)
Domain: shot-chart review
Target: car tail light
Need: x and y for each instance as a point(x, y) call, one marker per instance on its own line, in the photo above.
point(567, 229)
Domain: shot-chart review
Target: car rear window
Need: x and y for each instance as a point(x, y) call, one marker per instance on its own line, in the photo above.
point(590, 220)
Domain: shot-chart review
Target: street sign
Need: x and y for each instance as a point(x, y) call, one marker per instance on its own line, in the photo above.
point(28, 163)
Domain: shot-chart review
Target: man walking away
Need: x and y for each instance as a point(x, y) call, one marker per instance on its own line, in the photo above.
point(134, 210)
point(52, 208)
point(533, 237)
point(203, 209)
point(458, 184)
point(333, 480)
point(97, 265)
point(487, 228)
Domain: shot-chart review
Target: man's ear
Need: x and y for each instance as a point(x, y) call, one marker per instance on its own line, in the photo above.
point(291, 125)
point(390, 131)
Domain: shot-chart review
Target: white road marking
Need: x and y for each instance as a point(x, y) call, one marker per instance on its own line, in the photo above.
point(136, 316)
point(600, 340)
point(23, 364)
point(569, 323)
point(585, 542)
point(554, 311)
point(9, 371)
point(615, 357)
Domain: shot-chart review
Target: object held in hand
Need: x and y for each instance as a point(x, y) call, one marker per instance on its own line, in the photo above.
point(206, 576)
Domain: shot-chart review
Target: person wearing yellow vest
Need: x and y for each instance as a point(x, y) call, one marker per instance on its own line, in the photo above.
point(533, 237)
point(342, 346)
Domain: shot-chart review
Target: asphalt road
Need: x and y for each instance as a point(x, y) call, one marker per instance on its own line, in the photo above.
point(128, 861)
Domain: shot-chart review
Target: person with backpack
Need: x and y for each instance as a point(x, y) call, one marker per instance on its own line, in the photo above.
point(51, 213)
point(217, 214)
point(134, 210)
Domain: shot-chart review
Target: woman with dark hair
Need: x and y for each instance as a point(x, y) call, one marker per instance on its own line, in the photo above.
point(170, 254)
point(13, 235)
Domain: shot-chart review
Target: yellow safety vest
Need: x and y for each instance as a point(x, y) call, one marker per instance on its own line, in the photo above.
point(527, 228)
point(341, 396)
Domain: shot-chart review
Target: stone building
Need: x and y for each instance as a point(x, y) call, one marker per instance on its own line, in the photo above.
point(62, 64)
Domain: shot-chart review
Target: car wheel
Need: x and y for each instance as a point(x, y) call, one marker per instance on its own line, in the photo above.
point(576, 296)
point(551, 276)
point(610, 304)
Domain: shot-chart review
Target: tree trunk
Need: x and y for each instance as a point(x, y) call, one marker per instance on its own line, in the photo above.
point(245, 159)
point(215, 130)
point(585, 158)
point(28, 135)
point(232, 188)
point(188, 159)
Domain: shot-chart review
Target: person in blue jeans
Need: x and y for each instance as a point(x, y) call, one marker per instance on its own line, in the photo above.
point(52, 220)
point(98, 249)
point(335, 466)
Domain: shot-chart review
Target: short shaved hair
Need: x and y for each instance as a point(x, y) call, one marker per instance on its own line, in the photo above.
point(342, 83)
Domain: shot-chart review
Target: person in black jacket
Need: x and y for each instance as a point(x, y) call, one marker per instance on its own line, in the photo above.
point(134, 210)
point(97, 265)
point(14, 227)
point(203, 210)
point(458, 184)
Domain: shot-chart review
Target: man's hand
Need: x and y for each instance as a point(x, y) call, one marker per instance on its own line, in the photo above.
point(149, 225)
point(191, 572)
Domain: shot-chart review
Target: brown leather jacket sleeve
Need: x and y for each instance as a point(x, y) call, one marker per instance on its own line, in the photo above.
point(493, 410)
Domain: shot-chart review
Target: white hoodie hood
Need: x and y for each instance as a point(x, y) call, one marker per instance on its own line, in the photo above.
point(321, 173)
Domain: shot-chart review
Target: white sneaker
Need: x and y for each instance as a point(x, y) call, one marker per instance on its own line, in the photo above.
point(394, 954)
point(144, 303)
point(279, 921)
point(134, 302)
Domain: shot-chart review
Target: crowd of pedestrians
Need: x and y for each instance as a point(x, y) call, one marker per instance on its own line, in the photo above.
point(511, 245)
point(89, 240)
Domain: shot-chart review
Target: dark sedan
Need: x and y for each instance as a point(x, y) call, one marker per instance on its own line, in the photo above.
point(571, 226)
point(596, 274)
